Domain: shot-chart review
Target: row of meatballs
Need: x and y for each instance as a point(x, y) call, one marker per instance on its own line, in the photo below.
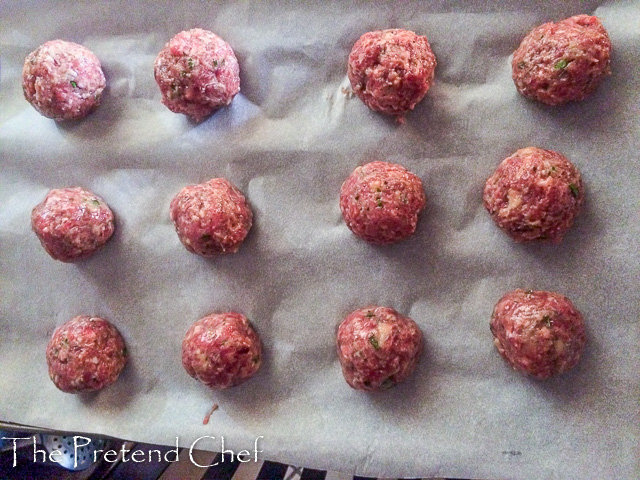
point(538, 333)
point(389, 70)
point(534, 195)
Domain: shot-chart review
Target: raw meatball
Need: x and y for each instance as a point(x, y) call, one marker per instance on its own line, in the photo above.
point(211, 218)
point(85, 354)
point(63, 80)
point(378, 348)
point(391, 70)
point(221, 350)
point(380, 202)
point(534, 194)
point(197, 73)
point(562, 62)
point(72, 223)
point(538, 333)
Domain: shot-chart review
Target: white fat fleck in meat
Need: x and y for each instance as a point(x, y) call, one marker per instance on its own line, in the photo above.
point(384, 332)
point(515, 200)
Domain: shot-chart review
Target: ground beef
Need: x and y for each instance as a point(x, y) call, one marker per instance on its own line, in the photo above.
point(391, 70)
point(63, 80)
point(211, 218)
point(197, 72)
point(562, 62)
point(538, 333)
point(85, 354)
point(72, 223)
point(378, 348)
point(381, 201)
point(221, 350)
point(534, 194)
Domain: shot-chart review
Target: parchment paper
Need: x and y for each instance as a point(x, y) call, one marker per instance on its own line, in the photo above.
point(288, 141)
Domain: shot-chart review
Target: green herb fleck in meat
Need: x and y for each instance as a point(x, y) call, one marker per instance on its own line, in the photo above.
point(215, 64)
point(369, 314)
point(379, 203)
point(574, 190)
point(560, 64)
point(190, 62)
point(95, 201)
point(521, 64)
point(74, 84)
point(374, 342)
point(547, 320)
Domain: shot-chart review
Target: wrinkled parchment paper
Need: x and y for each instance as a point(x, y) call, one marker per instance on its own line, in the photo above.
point(288, 140)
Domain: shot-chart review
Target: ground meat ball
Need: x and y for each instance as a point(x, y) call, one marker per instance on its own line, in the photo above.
point(197, 73)
point(72, 223)
point(63, 80)
point(378, 348)
point(562, 62)
point(221, 350)
point(534, 194)
point(211, 218)
point(381, 201)
point(85, 354)
point(391, 70)
point(539, 333)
